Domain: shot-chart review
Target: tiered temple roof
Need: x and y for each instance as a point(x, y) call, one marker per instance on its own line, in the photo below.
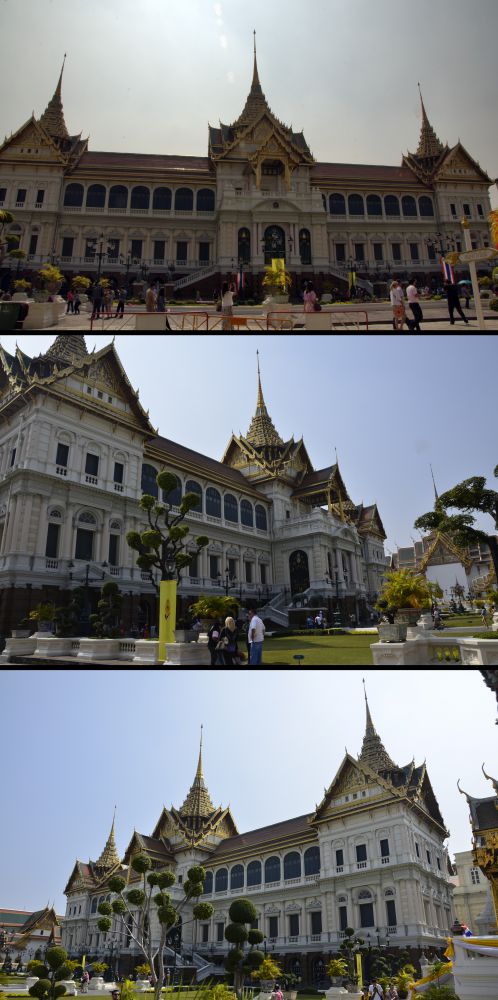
point(373, 751)
point(262, 433)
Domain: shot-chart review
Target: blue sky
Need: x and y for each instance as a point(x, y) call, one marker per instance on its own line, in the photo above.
point(390, 405)
point(77, 743)
point(148, 79)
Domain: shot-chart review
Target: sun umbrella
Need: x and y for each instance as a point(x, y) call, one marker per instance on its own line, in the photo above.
point(464, 282)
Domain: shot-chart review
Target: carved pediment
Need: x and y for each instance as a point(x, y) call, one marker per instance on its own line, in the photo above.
point(459, 165)
point(32, 144)
point(352, 779)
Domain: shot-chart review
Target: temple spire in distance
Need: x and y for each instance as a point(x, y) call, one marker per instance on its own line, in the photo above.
point(198, 802)
point(256, 85)
point(109, 856)
point(52, 118)
point(373, 752)
point(262, 432)
point(429, 145)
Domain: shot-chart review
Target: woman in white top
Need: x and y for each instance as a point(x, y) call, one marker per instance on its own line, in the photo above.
point(226, 305)
point(398, 304)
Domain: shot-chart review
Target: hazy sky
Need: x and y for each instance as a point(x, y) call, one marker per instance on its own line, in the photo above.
point(79, 742)
point(147, 77)
point(390, 405)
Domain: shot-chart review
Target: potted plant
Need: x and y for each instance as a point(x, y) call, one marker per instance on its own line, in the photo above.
point(337, 970)
point(22, 288)
point(210, 609)
point(52, 278)
point(184, 631)
point(81, 284)
point(277, 283)
point(407, 594)
point(403, 981)
point(267, 974)
point(290, 980)
point(44, 614)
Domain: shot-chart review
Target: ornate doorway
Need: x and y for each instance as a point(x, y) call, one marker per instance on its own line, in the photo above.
point(299, 572)
point(274, 244)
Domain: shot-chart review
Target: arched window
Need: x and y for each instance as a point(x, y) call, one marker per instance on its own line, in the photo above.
point(101, 899)
point(95, 196)
point(389, 892)
point(312, 861)
point(175, 496)
point(184, 200)
point(54, 512)
point(254, 873)
point(118, 196)
point(231, 508)
point(292, 865)
point(356, 204)
point(365, 894)
point(426, 207)
point(244, 246)
point(337, 204)
point(192, 487)
point(87, 518)
point(221, 880)
point(161, 199)
point(149, 485)
point(246, 513)
point(391, 204)
point(208, 884)
point(94, 904)
point(213, 502)
point(272, 870)
point(305, 246)
point(374, 205)
point(237, 877)
point(140, 197)
point(205, 200)
point(409, 206)
point(261, 521)
point(115, 526)
point(73, 195)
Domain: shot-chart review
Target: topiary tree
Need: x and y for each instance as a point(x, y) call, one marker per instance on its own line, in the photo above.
point(136, 907)
point(162, 546)
point(238, 962)
point(105, 623)
point(51, 973)
point(469, 496)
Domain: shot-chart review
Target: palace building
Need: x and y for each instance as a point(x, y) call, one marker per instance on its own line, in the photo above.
point(77, 450)
point(370, 856)
point(258, 194)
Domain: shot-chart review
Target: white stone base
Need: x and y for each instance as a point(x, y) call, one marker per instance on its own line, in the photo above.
point(142, 985)
point(192, 654)
point(97, 982)
point(98, 649)
point(70, 987)
point(42, 315)
point(145, 651)
point(18, 647)
point(482, 652)
point(30, 981)
point(48, 646)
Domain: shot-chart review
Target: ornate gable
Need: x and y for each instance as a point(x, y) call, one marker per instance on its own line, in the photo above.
point(32, 144)
point(352, 778)
point(458, 165)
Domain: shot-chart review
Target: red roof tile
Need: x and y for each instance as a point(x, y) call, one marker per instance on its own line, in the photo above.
point(265, 836)
point(362, 171)
point(144, 161)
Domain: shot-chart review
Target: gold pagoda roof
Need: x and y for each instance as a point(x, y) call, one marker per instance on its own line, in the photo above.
point(52, 118)
point(262, 433)
point(69, 347)
point(429, 145)
point(373, 752)
point(198, 802)
point(109, 857)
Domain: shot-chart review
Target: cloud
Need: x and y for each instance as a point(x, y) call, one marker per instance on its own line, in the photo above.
point(230, 76)
point(223, 41)
point(218, 9)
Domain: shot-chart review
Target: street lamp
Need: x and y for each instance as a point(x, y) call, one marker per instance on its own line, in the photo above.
point(230, 581)
point(126, 263)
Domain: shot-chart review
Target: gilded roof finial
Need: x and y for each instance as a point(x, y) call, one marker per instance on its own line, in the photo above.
point(109, 856)
point(373, 752)
point(493, 781)
point(434, 484)
point(198, 802)
point(262, 432)
point(255, 76)
point(52, 118)
point(429, 144)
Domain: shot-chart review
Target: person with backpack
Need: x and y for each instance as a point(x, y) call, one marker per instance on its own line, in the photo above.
point(213, 639)
point(227, 644)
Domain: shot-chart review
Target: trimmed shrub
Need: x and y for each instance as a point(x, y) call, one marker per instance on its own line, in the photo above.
point(117, 883)
point(236, 933)
point(165, 879)
point(141, 863)
point(136, 897)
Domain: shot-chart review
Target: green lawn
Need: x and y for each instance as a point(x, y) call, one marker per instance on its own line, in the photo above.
point(337, 650)
point(462, 621)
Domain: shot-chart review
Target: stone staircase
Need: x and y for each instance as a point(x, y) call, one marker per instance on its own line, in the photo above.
point(198, 275)
point(205, 969)
point(338, 272)
point(274, 611)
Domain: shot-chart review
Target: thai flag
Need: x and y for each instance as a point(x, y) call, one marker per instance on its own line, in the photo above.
point(240, 280)
point(448, 272)
point(467, 931)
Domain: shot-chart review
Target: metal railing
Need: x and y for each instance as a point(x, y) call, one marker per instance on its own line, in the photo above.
point(290, 319)
point(198, 321)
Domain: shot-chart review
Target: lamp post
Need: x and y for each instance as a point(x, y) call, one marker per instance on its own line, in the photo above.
point(126, 263)
point(230, 581)
point(85, 614)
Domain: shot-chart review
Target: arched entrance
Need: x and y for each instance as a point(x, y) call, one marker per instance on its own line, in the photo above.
point(274, 244)
point(299, 572)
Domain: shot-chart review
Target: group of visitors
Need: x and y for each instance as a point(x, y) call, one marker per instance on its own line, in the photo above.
point(223, 642)
point(73, 302)
point(319, 621)
point(103, 301)
point(155, 298)
point(398, 302)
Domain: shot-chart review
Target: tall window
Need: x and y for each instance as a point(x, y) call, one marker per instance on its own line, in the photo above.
point(340, 253)
point(426, 207)
point(118, 196)
point(92, 465)
point(32, 243)
point(396, 251)
point(359, 252)
point(384, 848)
point(208, 884)
point(272, 869)
point(136, 249)
point(475, 876)
point(343, 918)
point(391, 204)
point(339, 858)
point(192, 487)
point(312, 861)
point(374, 205)
point(182, 251)
point(204, 250)
point(118, 472)
point(184, 200)
point(356, 204)
point(263, 574)
point(205, 933)
point(159, 249)
point(316, 922)
point(114, 550)
point(140, 198)
point(52, 546)
point(272, 927)
point(213, 502)
point(248, 567)
point(337, 204)
point(214, 567)
point(73, 196)
point(62, 454)
point(361, 852)
point(205, 200)
point(231, 508)
point(367, 915)
point(246, 513)
point(221, 880)
point(391, 913)
point(95, 196)
point(67, 246)
point(414, 252)
point(409, 206)
point(305, 246)
point(292, 865)
point(294, 924)
point(175, 496)
point(244, 245)
point(161, 200)
point(237, 877)
point(84, 544)
point(254, 873)
point(261, 522)
point(149, 485)
point(378, 251)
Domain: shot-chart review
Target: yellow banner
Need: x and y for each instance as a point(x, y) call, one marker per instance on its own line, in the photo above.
point(83, 960)
point(278, 264)
point(359, 971)
point(167, 616)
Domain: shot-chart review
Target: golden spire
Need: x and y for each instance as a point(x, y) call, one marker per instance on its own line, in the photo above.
point(262, 432)
point(198, 802)
point(373, 752)
point(256, 101)
point(429, 145)
point(255, 77)
point(69, 347)
point(52, 118)
point(109, 856)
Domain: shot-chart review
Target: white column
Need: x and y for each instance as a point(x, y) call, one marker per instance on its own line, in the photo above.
point(473, 274)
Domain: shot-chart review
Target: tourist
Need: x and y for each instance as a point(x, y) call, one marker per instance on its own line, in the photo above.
point(375, 989)
point(309, 622)
point(108, 300)
point(392, 993)
point(114, 994)
point(466, 295)
point(228, 652)
point(150, 300)
point(310, 298)
point(277, 993)
point(256, 636)
point(76, 303)
point(97, 301)
point(453, 300)
point(226, 305)
point(413, 297)
point(484, 616)
point(213, 638)
point(85, 979)
point(69, 300)
point(161, 301)
point(319, 620)
point(121, 302)
point(398, 304)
